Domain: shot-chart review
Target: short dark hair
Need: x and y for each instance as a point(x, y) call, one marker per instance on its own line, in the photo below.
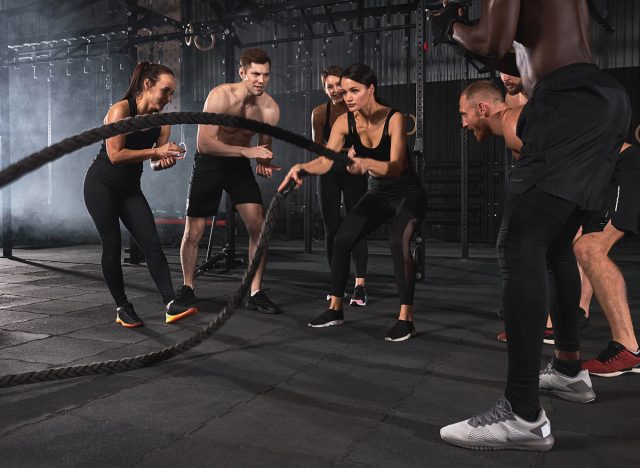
point(483, 89)
point(250, 56)
point(331, 70)
point(143, 71)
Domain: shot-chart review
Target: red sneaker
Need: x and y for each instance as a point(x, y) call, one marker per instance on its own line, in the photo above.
point(613, 361)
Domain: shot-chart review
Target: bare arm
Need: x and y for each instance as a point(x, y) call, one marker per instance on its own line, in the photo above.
point(397, 162)
point(116, 151)
point(509, 125)
point(322, 164)
point(494, 34)
point(317, 124)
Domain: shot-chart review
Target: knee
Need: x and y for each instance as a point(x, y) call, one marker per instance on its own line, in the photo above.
point(192, 234)
point(342, 242)
point(254, 229)
point(587, 251)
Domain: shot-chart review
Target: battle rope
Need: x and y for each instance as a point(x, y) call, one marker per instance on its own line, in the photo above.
point(143, 122)
point(53, 152)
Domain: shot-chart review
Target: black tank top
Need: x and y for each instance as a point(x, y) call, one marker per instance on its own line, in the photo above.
point(136, 141)
point(382, 152)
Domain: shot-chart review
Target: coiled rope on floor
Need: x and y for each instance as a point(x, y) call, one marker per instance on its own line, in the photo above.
point(51, 153)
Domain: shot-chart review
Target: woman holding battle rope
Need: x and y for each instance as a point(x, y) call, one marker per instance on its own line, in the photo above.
point(395, 194)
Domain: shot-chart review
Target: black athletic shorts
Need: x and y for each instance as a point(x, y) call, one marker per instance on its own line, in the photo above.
point(213, 174)
point(622, 198)
point(572, 129)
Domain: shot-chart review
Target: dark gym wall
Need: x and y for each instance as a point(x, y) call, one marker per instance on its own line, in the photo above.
point(81, 92)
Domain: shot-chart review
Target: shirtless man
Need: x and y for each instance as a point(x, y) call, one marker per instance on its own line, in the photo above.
point(484, 112)
point(565, 164)
point(222, 162)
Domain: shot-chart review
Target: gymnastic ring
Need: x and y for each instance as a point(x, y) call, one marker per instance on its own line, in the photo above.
point(415, 124)
point(149, 32)
point(183, 145)
point(638, 134)
point(197, 41)
point(188, 30)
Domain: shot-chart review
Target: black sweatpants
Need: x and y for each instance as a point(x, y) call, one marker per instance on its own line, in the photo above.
point(331, 186)
point(537, 230)
point(109, 201)
point(401, 201)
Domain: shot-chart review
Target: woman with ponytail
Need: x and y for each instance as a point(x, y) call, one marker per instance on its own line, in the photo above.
point(112, 190)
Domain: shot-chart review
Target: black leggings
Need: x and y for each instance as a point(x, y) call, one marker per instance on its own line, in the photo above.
point(330, 187)
point(537, 230)
point(405, 212)
point(107, 204)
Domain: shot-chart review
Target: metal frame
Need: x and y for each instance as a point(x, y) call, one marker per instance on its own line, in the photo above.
point(5, 143)
point(419, 253)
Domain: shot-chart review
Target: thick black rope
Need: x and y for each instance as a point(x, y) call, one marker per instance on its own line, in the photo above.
point(142, 122)
point(53, 152)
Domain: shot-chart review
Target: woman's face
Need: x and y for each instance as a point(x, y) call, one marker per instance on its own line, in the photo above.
point(333, 88)
point(356, 95)
point(160, 94)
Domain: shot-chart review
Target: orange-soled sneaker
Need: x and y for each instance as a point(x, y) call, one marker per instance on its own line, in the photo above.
point(127, 317)
point(176, 312)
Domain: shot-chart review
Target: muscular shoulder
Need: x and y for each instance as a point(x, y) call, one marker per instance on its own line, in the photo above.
point(219, 98)
point(269, 109)
point(120, 110)
point(509, 124)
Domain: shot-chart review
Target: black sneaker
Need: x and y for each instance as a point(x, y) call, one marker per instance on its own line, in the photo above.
point(260, 302)
point(329, 318)
point(359, 298)
point(185, 296)
point(127, 317)
point(176, 312)
point(402, 330)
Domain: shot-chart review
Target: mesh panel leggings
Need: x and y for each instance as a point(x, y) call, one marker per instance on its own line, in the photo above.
point(537, 230)
point(107, 204)
point(374, 208)
point(330, 187)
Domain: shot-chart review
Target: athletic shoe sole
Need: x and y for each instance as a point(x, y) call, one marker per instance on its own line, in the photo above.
point(129, 325)
point(633, 370)
point(543, 445)
point(357, 303)
point(178, 317)
point(570, 396)
point(328, 324)
point(402, 338)
point(262, 310)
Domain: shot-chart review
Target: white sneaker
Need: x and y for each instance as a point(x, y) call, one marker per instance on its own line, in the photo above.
point(578, 389)
point(500, 429)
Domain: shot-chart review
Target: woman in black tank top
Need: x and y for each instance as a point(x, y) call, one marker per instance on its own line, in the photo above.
point(395, 194)
point(338, 183)
point(112, 189)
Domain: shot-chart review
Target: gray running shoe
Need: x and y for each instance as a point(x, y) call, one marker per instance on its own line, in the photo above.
point(577, 389)
point(500, 429)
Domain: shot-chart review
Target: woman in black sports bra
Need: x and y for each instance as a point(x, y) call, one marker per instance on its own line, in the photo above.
point(337, 183)
point(112, 189)
point(395, 193)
